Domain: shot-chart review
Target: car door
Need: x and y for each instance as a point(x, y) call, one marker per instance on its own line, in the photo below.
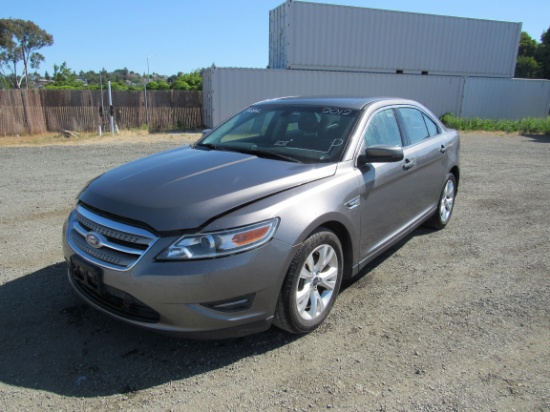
point(424, 160)
point(385, 191)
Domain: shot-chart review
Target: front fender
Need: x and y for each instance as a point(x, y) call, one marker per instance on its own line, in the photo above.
point(302, 209)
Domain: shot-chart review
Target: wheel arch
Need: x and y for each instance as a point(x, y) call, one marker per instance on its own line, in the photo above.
point(456, 172)
point(345, 240)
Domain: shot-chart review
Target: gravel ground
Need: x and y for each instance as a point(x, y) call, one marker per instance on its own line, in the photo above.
point(455, 320)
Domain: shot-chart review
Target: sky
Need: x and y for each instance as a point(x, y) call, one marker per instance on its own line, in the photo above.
point(171, 36)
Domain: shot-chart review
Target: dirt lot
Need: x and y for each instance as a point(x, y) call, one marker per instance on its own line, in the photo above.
point(456, 320)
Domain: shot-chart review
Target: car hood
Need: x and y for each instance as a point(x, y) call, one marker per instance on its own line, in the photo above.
point(185, 187)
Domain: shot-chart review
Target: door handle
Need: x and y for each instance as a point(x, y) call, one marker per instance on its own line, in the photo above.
point(408, 164)
point(443, 149)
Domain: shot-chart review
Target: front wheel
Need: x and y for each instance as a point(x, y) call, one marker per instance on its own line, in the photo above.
point(442, 215)
point(311, 284)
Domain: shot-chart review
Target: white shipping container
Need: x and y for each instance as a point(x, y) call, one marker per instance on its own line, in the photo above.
point(511, 99)
point(328, 37)
point(228, 90)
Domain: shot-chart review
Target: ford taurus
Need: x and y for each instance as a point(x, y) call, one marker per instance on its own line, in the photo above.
point(260, 220)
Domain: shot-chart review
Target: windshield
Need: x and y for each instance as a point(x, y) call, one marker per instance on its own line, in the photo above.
point(307, 134)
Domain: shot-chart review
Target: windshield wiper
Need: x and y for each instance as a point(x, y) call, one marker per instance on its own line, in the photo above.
point(253, 151)
point(266, 154)
point(207, 145)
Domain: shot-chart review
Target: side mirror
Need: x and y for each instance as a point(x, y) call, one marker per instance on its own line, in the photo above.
point(381, 154)
point(206, 132)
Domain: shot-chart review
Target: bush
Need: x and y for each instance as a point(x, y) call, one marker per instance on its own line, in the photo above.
point(527, 125)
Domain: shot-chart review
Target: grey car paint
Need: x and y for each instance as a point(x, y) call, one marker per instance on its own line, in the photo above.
point(369, 206)
point(185, 188)
point(396, 198)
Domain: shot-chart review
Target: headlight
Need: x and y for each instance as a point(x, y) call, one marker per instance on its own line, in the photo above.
point(222, 243)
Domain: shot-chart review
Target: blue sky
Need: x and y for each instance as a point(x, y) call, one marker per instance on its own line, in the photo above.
point(184, 35)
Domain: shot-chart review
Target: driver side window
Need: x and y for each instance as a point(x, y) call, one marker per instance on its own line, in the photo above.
point(383, 129)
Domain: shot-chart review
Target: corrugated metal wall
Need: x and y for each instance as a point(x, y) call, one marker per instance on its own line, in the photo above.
point(505, 98)
point(207, 98)
point(278, 38)
point(226, 90)
point(353, 51)
point(327, 37)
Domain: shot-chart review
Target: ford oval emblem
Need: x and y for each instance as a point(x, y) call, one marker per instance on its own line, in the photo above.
point(94, 240)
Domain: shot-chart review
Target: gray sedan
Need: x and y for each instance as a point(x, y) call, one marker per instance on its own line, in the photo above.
point(259, 221)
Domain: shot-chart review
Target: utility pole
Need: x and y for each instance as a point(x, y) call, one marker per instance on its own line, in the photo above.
point(146, 84)
point(111, 109)
point(101, 108)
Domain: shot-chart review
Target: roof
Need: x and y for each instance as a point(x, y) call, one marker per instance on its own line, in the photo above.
point(348, 102)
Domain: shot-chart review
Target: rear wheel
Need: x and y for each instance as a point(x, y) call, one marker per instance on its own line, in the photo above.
point(311, 284)
point(442, 215)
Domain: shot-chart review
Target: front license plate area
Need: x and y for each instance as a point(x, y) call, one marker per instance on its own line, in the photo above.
point(87, 274)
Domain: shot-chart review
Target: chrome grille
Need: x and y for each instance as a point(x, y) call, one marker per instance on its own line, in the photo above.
point(121, 245)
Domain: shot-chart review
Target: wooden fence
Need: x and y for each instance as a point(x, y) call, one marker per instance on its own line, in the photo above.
point(40, 111)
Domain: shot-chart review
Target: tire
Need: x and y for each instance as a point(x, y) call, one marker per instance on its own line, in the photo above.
point(445, 205)
point(311, 284)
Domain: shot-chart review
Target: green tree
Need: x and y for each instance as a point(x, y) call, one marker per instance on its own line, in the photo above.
point(120, 85)
point(20, 41)
point(543, 54)
point(119, 75)
point(62, 74)
point(4, 82)
point(527, 67)
point(90, 77)
point(534, 58)
point(64, 78)
point(186, 81)
point(158, 85)
point(527, 45)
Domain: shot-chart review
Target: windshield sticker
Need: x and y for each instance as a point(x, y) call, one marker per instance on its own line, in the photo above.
point(336, 142)
point(333, 110)
point(253, 110)
point(282, 142)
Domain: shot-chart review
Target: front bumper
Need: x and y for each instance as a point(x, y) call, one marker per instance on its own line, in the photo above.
point(212, 298)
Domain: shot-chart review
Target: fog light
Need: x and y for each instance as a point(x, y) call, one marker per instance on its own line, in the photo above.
point(232, 305)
